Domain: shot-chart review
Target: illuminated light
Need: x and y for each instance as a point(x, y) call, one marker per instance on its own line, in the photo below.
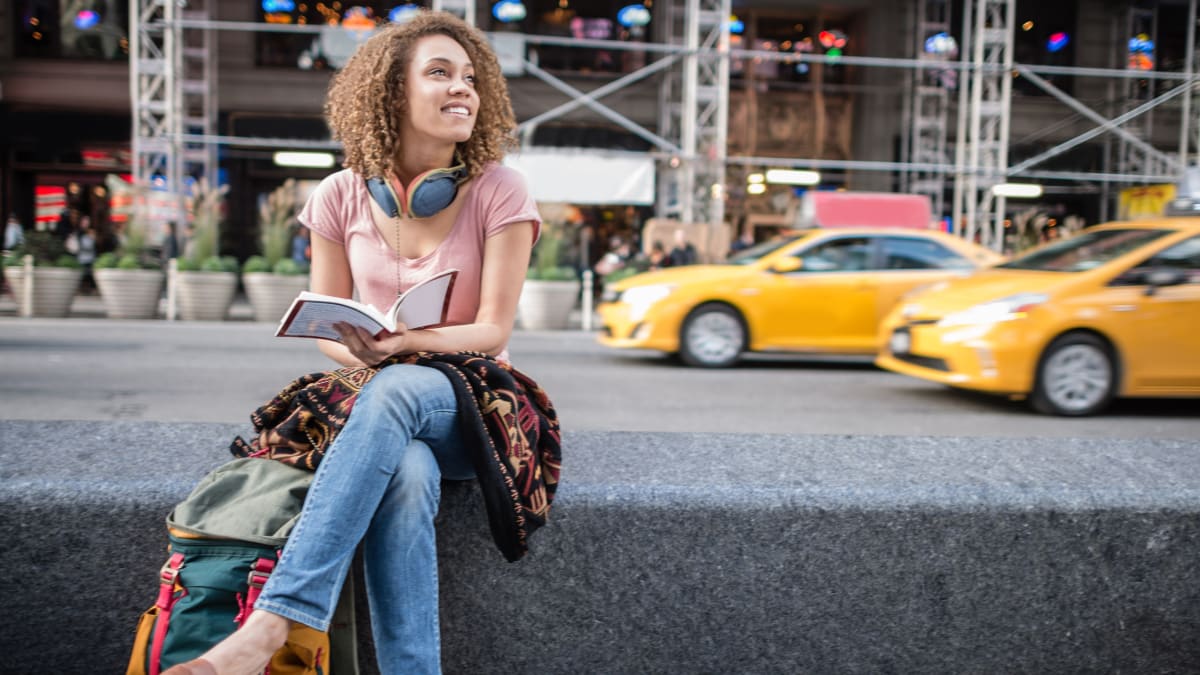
point(509, 11)
point(792, 177)
point(674, 162)
point(37, 36)
point(1057, 41)
point(273, 6)
point(802, 68)
point(278, 18)
point(308, 160)
point(1019, 190)
point(717, 191)
point(832, 39)
point(735, 25)
point(941, 44)
point(403, 13)
point(756, 188)
point(633, 16)
point(755, 178)
point(799, 28)
point(834, 53)
point(358, 18)
point(35, 21)
point(1027, 26)
point(86, 19)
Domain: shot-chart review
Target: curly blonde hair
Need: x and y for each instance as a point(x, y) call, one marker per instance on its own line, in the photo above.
point(366, 102)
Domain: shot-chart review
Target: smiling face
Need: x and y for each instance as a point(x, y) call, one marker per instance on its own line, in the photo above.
point(440, 89)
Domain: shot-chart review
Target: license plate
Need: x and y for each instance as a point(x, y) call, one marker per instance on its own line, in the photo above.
point(900, 342)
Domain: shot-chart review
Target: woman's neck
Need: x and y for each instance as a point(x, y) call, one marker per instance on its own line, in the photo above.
point(415, 161)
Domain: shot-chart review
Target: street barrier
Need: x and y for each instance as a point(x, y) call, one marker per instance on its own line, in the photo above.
point(686, 553)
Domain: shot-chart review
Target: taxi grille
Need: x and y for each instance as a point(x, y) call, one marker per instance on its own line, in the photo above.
point(923, 361)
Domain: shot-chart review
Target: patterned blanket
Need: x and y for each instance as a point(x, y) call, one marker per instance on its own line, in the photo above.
point(507, 420)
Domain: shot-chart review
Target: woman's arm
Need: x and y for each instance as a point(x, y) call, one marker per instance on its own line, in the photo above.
point(505, 261)
point(330, 274)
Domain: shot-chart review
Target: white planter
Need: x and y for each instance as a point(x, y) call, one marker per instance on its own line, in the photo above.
point(54, 289)
point(547, 305)
point(129, 294)
point(270, 294)
point(205, 296)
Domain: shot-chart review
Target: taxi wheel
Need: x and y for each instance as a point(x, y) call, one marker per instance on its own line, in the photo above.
point(713, 336)
point(1077, 376)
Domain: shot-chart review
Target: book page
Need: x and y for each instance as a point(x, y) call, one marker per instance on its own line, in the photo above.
point(316, 318)
point(426, 303)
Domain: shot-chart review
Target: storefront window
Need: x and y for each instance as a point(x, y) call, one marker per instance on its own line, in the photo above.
point(72, 29)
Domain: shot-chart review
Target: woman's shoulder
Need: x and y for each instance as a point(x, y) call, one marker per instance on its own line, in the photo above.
point(496, 175)
point(340, 181)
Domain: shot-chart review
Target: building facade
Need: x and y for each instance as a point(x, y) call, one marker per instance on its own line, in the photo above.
point(835, 87)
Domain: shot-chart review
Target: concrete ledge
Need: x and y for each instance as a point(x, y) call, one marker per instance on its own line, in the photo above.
point(687, 553)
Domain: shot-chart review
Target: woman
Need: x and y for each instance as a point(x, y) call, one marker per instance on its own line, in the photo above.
point(416, 98)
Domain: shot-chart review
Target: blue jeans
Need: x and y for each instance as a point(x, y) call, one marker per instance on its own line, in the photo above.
point(379, 483)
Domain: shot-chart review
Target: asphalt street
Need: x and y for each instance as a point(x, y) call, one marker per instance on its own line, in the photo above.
point(99, 369)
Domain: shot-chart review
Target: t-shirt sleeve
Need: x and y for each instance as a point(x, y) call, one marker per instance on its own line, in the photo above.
point(509, 202)
point(324, 213)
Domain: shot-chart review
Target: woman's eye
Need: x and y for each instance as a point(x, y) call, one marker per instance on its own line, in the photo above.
point(470, 79)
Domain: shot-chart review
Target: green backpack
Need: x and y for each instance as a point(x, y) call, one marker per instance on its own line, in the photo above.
point(224, 541)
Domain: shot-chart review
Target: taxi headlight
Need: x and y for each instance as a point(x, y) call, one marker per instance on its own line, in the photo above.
point(641, 298)
point(1005, 309)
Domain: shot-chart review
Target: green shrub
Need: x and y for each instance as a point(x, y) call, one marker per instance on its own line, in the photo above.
point(67, 260)
point(47, 251)
point(289, 267)
point(547, 260)
point(105, 261)
point(256, 263)
point(130, 261)
point(187, 265)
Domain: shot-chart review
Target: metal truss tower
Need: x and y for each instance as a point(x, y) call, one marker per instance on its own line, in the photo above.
point(1132, 159)
point(929, 102)
point(984, 110)
point(694, 108)
point(172, 77)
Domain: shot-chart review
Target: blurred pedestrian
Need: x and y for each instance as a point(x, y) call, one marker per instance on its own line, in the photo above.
point(302, 247)
point(683, 253)
point(14, 233)
point(85, 251)
point(658, 257)
point(170, 243)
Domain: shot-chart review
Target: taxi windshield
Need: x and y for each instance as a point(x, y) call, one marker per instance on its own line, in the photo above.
point(1084, 251)
point(757, 251)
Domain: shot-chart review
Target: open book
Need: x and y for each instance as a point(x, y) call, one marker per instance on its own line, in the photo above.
point(313, 315)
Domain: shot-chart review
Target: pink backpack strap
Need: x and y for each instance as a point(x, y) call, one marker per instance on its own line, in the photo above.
point(260, 571)
point(166, 600)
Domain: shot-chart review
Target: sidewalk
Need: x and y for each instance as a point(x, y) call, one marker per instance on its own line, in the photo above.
point(92, 307)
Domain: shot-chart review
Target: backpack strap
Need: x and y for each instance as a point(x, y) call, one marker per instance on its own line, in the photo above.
point(166, 600)
point(260, 571)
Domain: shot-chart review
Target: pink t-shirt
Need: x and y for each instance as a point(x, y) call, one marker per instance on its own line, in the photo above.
point(340, 210)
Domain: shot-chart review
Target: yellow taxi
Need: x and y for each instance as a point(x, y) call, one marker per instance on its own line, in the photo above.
point(819, 290)
point(1113, 311)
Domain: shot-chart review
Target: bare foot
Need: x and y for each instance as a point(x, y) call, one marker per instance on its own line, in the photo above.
point(249, 649)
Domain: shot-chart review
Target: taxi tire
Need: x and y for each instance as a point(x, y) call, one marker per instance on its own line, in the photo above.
point(1040, 398)
point(688, 353)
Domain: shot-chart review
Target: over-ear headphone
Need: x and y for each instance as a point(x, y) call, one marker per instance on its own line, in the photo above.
point(427, 194)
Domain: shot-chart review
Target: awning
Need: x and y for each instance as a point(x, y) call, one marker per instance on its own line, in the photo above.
point(585, 176)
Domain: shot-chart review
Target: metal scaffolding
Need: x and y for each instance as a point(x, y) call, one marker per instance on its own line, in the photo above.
point(694, 110)
point(691, 137)
point(928, 105)
point(984, 112)
point(173, 91)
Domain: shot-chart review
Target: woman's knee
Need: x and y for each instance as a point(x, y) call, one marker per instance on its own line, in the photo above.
point(402, 390)
point(417, 479)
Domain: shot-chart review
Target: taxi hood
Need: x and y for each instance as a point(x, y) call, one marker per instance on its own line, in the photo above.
point(954, 295)
point(683, 275)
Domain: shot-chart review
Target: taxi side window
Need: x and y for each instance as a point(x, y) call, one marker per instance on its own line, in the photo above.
point(1182, 256)
point(850, 254)
point(912, 253)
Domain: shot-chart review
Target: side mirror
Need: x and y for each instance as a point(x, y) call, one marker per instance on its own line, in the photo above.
point(1167, 276)
point(786, 265)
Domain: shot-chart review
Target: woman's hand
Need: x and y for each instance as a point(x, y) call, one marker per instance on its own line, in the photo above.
point(370, 349)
